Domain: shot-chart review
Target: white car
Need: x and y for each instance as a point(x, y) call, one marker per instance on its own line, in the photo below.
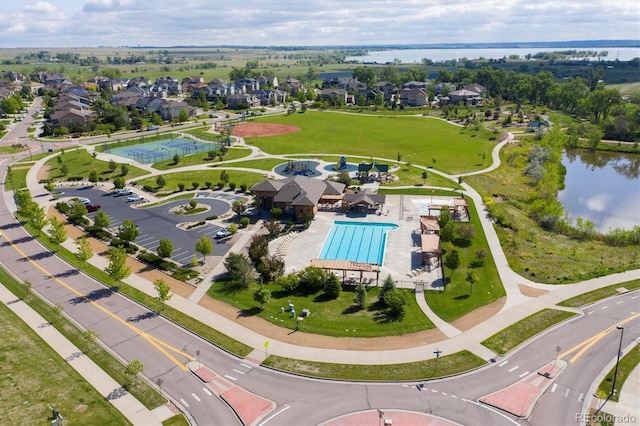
point(81, 200)
point(223, 233)
point(121, 192)
point(134, 198)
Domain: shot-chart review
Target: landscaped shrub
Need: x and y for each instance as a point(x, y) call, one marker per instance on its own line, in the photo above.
point(98, 232)
point(63, 207)
point(208, 185)
point(149, 188)
point(232, 186)
point(195, 185)
point(244, 222)
point(214, 217)
point(75, 178)
point(184, 274)
point(220, 185)
point(181, 186)
point(243, 187)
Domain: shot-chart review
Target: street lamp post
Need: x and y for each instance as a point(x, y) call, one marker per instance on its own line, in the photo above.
point(437, 352)
point(615, 373)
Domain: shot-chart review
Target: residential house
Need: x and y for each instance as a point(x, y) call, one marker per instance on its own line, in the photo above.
point(467, 97)
point(170, 109)
point(241, 101)
point(70, 117)
point(415, 85)
point(413, 97)
point(338, 93)
point(267, 97)
point(292, 86)
point(270, 81)
point(475, 87)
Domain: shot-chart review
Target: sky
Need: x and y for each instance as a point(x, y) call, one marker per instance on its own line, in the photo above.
point(91, 23)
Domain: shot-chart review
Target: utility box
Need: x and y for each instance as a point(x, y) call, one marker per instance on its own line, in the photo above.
point(305, 313)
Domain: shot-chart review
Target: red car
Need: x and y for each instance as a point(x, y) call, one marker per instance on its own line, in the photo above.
point(93, 207)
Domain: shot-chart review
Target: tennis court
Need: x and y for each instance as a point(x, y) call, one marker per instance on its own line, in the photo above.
point(162, 150)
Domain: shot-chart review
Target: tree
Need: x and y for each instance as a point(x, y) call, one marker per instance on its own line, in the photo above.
point(448, 232)
point(37, 218)
point(204, 246)
point(239, 269)
point(85, 252)
point(444, 217)
point(361, 296)
point(133, 369)
point(64, 169)
point(224, 176)
point(258, 248)
point(364, 74)
point(332, 286)
point(160, 181)
point(163, 291)
point(261, 295)
point(273, 227)
point(312, 279)
point(452, 261)
point(101, 220)
point(57, 233)
point(165, 248)
point(183, 116)
point(119, 182)
point(276, 213)
point(343, 177)
point(306, 216)
point(271, 267)
point(424, 176)
point(387, 285)
point(128, 231)
point(471, 279)
point(396, 301)
point(176, 159)
point(117, 268)
point(112, 166)
point(124, 169)
point(93, 176)
point(238, 207)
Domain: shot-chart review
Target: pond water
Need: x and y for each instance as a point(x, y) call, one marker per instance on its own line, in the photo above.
point(603, 187)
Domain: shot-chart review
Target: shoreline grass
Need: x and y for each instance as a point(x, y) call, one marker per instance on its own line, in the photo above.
point(510, 337)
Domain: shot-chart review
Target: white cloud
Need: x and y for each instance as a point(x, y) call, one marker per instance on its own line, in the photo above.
point(312, 22)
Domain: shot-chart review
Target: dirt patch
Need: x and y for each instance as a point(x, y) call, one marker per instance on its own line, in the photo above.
point(248, 130)
point(479, 315)
point(301, 338)
point(43, 172)
point(531, 291)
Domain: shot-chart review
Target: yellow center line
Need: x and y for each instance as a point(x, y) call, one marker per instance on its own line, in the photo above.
point(154, 341)
point(585, 345)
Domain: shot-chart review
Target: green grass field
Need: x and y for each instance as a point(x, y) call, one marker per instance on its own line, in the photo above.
point(418, 140)
point(34, 378)
point(337, 317)
point(525, 329)
point(627, 363)
point(81, 163)
point(201, 176)
point(598, 294)
point(447, 366)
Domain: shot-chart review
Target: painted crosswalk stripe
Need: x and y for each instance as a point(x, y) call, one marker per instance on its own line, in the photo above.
point(566, 394)
point(617, 303)
point(453, 396)
point(524, 374)
point(207, 391)
point(580, 397)
point(195, 397)
point(444, 393)
point(434, 391)
point(238, 371)
point(246, 365)
point(604, 307)
point(513, 369)
point(553, 388)
point(184, 402)
point(503, 363)
point(231, 378)
point(589, 313)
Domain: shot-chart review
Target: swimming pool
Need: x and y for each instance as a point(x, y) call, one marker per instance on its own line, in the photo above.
point(357, 241)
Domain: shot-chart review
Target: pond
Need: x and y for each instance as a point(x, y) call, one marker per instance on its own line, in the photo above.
point(603, 187)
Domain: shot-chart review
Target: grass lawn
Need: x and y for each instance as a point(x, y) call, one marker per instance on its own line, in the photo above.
point(35, 378)
point(408, 175)
point(532, 252)
point(447, 366)
point(18, 177)
point(338, 317)
point(201, 158)
point(11, 149)
point(458, 299)
point(81, 163)
point(417, 139)
point(599, 294)
point(525, 329)
point(201, 176)
point(261, 164)
point(627, 363)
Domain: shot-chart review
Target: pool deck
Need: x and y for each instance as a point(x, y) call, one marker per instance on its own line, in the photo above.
point(402, 255)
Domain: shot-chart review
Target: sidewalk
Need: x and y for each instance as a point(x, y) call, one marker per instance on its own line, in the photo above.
point(129, 406)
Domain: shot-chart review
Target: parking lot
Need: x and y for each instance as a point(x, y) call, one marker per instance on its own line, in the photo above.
point(156, 223)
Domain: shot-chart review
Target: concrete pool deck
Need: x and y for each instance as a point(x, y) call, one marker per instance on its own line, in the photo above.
point(402, 254)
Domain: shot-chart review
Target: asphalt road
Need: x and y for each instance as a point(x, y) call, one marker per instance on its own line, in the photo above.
point(156, 222)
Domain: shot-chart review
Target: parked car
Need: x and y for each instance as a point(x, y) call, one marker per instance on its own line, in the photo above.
point(121, 192)
point(150, 128)
point(84, 201)
point(134, 198)
point(93, 207)
point(223, 233)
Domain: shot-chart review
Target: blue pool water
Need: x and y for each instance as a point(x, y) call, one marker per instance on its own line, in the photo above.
point(357, 241)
